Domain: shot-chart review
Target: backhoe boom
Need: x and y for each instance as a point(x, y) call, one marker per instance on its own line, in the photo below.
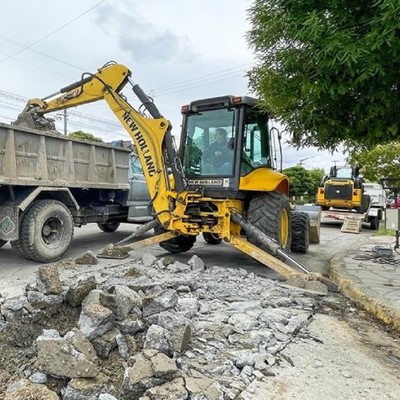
point(152, 136)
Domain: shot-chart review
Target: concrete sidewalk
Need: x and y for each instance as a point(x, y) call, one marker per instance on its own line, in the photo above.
point(373, 283)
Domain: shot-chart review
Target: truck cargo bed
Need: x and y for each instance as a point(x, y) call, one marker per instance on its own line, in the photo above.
point(31, 158)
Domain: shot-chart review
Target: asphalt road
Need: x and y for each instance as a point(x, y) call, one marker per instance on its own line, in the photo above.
point(16, 272)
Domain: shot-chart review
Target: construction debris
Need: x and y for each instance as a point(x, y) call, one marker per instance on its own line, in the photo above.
point(150, 329)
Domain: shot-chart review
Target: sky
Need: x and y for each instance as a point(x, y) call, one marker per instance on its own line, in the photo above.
point(178, 51)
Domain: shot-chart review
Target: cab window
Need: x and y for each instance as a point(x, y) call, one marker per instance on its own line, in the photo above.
point(256, 142)
point(209, 143)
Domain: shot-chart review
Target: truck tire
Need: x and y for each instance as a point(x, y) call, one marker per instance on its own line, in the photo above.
point(374, 223)
point(46, 231)
point(300, 232)
point(110, 226)
point(212, 238)
point(365, 200)
point(17, 247)
point(178, 244)
point(270, 213)
point(2, 242)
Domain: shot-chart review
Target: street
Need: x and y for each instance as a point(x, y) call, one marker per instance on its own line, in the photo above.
point(342, 352)
point(16, 271)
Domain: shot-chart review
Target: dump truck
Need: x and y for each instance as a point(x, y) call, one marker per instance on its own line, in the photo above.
point(50, 184)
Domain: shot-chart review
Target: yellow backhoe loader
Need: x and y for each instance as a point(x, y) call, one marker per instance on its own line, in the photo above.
point(220, 184)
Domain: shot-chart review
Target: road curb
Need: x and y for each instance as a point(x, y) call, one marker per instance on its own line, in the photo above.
point(337, 272)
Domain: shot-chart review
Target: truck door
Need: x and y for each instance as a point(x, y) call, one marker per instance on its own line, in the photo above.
point(139, 197)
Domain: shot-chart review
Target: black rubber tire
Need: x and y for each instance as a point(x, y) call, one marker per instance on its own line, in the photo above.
point(300, 232)
point(374, 223)
point(2, 242)
point(178, 244)
point(110, 226)
point(212, 238)
point(365, 201)
point(46, 231)
point(17, 247)
point(265, 212)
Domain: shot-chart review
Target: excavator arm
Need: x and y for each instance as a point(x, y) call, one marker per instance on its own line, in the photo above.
point(152, 136)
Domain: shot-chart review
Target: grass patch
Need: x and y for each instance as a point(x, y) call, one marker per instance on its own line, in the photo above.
point(385, 232)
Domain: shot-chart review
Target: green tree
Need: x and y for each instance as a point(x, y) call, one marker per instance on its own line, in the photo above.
point(300, 181)
point(381, 161)
point(316, 177)
point(329, 70)
point(84, 136)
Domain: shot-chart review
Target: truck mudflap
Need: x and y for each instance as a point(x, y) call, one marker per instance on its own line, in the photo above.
point(9, 225)
point(373, 212)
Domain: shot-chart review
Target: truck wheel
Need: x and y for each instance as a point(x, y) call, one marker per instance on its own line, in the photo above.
point(270, 213)
point(110, 226)
point(365, 200)
point(2, 242)
point(374, 224)
point(17, 247)
point(46, 231)
point(300, 232)
point(178, 244)
point(212, 238)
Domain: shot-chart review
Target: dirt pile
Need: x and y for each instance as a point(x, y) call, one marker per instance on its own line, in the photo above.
point(148, 329)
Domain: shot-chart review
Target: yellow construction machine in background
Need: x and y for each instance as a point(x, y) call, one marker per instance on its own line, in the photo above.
point(343, 189)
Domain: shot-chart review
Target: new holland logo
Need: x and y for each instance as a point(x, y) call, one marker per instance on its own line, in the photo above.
point(7, 225)
point(213, 182)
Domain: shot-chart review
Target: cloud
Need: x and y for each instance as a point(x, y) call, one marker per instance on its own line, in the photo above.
point(143, 40)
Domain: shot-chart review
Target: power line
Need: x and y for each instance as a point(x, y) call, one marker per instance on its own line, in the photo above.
point(3, 116)
point(40, 67)
point(218, 76)
point(12, 95)
point(210, 81)
point(52, 33)
point(200, 78)
point(71, 112)
point(5, 38)
point(192, 86)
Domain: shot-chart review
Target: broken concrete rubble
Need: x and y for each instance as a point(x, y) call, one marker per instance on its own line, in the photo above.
point(48, 280)
point(79, 290)
point(71, 356)
point(140, 337)
point(24, 389)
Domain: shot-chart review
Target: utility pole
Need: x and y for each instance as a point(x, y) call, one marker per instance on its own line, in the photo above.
point(65, 122)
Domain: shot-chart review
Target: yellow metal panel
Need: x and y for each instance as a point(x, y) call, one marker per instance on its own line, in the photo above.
point(264, 180)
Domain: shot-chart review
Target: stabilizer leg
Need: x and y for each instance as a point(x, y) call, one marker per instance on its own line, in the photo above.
point(121, 252)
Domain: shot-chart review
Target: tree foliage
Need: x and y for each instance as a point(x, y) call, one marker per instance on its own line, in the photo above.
point(382, 161)
point(302, 181)
point(329, 70)
point(84, 136)
point(317, 174)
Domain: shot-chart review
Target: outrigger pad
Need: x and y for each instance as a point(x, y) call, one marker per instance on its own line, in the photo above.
point(114, 252)
point(313, 283)
point(307, 283)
